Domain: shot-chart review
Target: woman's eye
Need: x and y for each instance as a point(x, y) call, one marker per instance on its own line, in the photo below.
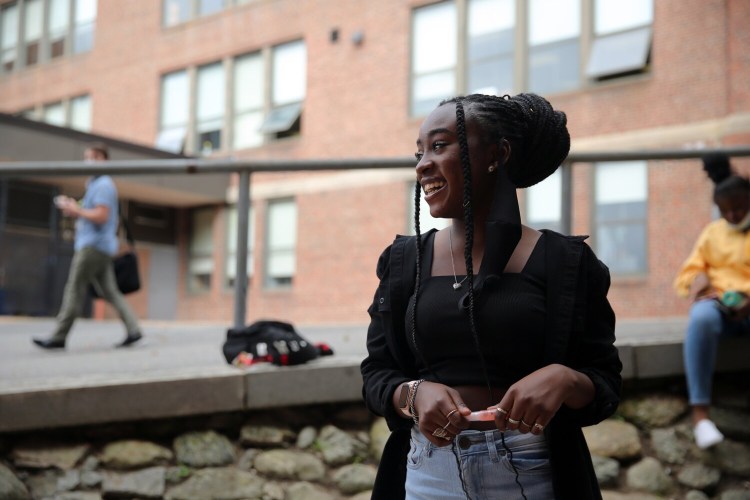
point(438, 145)
point(418, 156)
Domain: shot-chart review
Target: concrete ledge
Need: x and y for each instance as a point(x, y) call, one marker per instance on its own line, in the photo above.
point(95, 402)
point(325, 380)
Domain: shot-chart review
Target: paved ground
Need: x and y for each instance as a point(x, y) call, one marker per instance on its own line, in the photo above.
point(185, 346)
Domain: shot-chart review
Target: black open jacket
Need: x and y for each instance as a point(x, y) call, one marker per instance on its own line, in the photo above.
point(579, 333)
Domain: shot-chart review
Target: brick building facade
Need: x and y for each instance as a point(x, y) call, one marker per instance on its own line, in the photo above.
point(205, 75)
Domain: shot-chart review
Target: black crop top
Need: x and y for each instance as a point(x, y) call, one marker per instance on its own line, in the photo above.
point(510, 314)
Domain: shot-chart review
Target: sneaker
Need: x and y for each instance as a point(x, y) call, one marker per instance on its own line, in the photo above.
point(50, 343)
point(706, 434)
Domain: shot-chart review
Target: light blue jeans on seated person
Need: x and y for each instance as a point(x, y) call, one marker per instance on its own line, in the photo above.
point(706, 326)
point(486, 466)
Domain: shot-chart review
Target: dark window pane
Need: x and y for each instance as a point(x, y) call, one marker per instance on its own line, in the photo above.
point(57, 48)
point(32, 53)
point(209, 141)
point(622, 247)
point(554, 67)
point(29, 205)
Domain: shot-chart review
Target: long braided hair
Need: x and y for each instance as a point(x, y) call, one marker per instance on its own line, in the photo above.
point(539, 142)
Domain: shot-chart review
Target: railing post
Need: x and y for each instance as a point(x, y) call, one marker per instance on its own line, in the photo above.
point(240, 279)
point(566, 198)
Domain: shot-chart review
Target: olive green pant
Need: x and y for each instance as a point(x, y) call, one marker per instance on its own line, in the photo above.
point(90, 266)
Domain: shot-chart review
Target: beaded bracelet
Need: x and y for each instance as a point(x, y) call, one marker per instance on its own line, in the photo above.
point(412, 397)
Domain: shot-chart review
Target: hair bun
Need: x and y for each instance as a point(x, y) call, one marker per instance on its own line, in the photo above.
point(717, 167)
point(545, 141)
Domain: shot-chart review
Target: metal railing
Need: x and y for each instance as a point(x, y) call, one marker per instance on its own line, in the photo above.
point(247, 167)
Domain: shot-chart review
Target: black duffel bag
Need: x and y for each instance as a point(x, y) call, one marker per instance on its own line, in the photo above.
point(270, 341)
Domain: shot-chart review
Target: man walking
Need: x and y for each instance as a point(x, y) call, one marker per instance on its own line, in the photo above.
point(95, 244)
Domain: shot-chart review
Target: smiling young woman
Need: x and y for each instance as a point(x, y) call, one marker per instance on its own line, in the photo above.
point(528, 337)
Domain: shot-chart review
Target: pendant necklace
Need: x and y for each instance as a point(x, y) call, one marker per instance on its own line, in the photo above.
point(456, 284)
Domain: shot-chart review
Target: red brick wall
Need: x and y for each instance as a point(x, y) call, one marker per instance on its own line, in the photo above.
point(357, 106)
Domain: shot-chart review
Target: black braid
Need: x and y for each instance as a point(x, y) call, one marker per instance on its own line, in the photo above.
point(469, 222)
point(417, 199)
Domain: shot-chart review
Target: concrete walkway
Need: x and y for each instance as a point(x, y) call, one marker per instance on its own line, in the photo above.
point(178, 369)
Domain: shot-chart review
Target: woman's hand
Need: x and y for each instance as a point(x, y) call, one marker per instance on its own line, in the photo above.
point(701, 288)
point(529, 404)
point(441, 412)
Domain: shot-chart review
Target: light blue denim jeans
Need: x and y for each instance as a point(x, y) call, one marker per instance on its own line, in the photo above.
point(432, 472)
point(706, 327)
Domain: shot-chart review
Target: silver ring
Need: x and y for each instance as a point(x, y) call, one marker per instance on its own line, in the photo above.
point(454, 410)
point(539, 426)
point(524, 423)
point(513, 421)
point(439, 432)
point(502, 411)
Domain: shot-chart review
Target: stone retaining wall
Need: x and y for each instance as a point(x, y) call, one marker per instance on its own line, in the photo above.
point(331, 452)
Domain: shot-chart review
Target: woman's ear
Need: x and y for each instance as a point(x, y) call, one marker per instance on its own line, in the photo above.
point(504, 152)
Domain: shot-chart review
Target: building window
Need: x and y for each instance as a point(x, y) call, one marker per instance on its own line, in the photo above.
point(32, 33)
point(281, 231)
point(36, 31)
point(58, 22)
point(209, 115)
point(434, 54)
point(74, 113)
point(426, 221)
point(511, 46)
point(54, 114)
point(85, 22)
point(490, 46)
point(231, 257)
point(621, 194)
point(248, 101)
point(9, 36)
point(544, 203)
point(174, 113)
point(258, 111)
point(181, 11)
point(622, 40)
point(288, 87)
point(176, 11)
point(80, 113)
point(554, 45)
point(200, 259)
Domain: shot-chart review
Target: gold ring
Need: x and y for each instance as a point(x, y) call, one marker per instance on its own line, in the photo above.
point(446, 425)
point(447, 438)
point(454, 410)
point(539, 426)
point(439, 432)
point(513, 421)
point(524, 423)
point(501, 411)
